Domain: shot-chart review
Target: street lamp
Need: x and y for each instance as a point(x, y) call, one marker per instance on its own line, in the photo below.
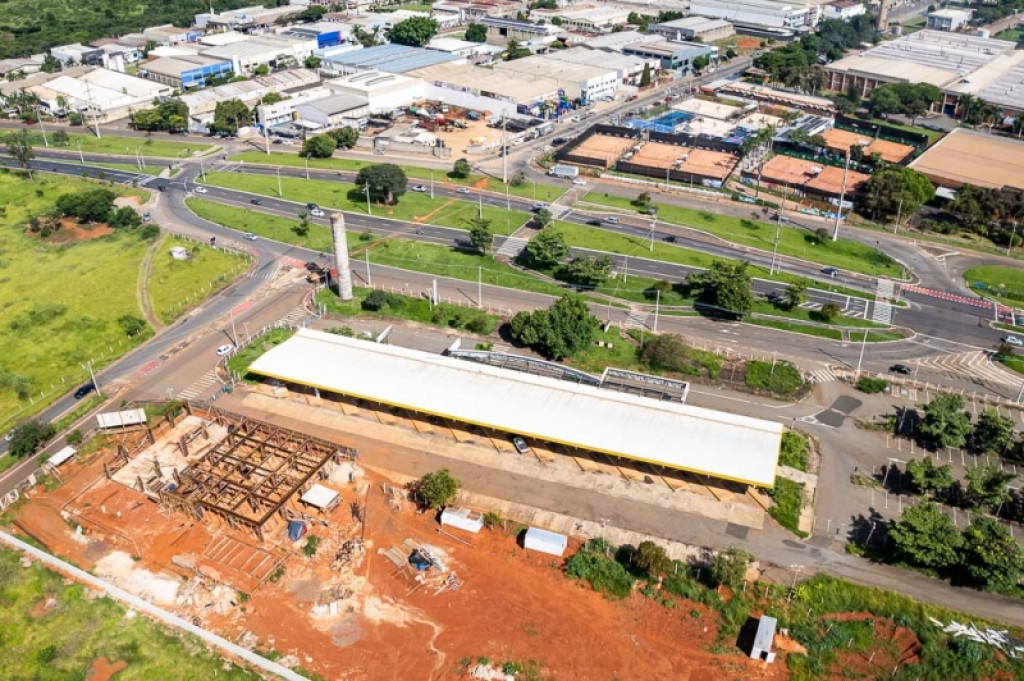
point(369, 210)
point(796, 575)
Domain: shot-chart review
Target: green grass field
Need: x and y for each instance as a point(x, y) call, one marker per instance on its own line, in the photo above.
point(411, 207)
point(151, 168)
point(61, 303)
point(1005, 284)
point(794, 242)
point(53, 629)
point(110, 144)
point(267, 226)
point(540, 191)
point(173, 281)
point(1013, 35)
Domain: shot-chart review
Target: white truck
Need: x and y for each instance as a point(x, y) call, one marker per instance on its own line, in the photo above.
point(564, 171)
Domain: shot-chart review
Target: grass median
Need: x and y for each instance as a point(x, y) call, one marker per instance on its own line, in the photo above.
point(795, 242)
point(1005, 284)
point(411, 207)
point(537, 191)
point(126, 146)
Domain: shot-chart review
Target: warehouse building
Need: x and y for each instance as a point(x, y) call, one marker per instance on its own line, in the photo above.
point(586, 18)
point(169, 34)
point(628, 68)
point(202, 103)
point(101, 95)
point(382, 92)
point(185, 72)
point(615, 42)
point(392, 58)
point(674, 56)
point(760, 17)
point(500, 31)
point(245, 19)
point(843, 10)
point(77, 54)
point(576, 81)
point(265, 50)
point(949, 19)
point(480, 89)
point(541, 408)
point(325, 34)
point(694, 28)
point(336, 111)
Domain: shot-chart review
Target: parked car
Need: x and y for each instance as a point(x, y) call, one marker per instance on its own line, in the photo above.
point(579, 181)
point(901, 369)
point(540, 205)
point(225, 349)
point(85, 390)
point(256, 202)
point(831, 271)
point(671, 238)
point(776, 297)
point(1012, 340)
point(559, 141)
point(146, 217)
point(317, 213)
point(520, 445)
point(462, 190)
point(249, 236)
point(200, 190)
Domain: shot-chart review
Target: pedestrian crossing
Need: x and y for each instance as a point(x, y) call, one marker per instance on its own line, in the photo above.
point(512, 247)
point(881, 313)
point(296, 317)
point(636, 319)
point(975, 364)
point(267, 271)
point(200, 386)
point(823, 375)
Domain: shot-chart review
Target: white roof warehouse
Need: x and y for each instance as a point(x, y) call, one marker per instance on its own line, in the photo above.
point(670, 434)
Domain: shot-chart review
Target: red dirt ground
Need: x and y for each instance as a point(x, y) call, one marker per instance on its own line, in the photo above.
point(900, 646)
point(71, 232)
point(102, 670)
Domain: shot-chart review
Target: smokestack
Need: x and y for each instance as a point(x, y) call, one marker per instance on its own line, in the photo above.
point(883, 17)
point(341, 256)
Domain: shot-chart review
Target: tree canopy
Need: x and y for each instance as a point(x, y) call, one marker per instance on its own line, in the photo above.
point(20, 149)
point(991, 557)
point(992, 432)
point(415, 31)
point(28, 437)
point(588, 271)
point(945, 422)
point(345, 137)
point(90, 205)
point(319, 146)
point(476, 33)
point(480, 235)
point(903, 98)
point(547, 248)
point(729, 567)
point(170, 115)
point(229, 115)
point(926, 536)
point(927, 478)
point(461, 169)
point(893, 190)
point(438, 489)
point(560, 331)
point(386, 181)
point(724, 286)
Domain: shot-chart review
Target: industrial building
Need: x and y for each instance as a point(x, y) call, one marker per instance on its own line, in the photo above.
point(382, 92)
point(628, 68)
point(480, 89)
point(615, 42)
point(674, 56)
point(843, 10)
point(202, 103)
point(691, 28)
point(101, 95)
point(392, 58)
point(336, 111)
point(577, 81)
point(772, 97)
point(246, 18)
point(949, 19)
point(542, 408)
point(77, 54)
point(265, 50)
point(587, 18)
point(533, 36)
point(956, 63)
point(760, 17)
point(969, 157)
point(185, 72)
point(169, 34)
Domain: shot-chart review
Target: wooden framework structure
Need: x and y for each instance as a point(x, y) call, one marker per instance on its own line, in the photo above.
point(248, 477)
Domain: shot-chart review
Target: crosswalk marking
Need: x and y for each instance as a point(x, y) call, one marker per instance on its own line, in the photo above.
point(512, 247)
point(975, 364)
point(824, 375)
point(268, 271)
point(881, 313)
point(200, 385)
point(636, 319)
point(296, 317)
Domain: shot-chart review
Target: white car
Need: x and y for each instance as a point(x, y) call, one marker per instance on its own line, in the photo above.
point(225, 350)
point(200, 190)
point(317, 213)
point(249, 236)
point(418, 188)
point(462, 190)
point(580, 181)
point(1012, 340)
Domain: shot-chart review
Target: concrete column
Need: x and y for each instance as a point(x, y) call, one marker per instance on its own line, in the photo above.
point(341, 256)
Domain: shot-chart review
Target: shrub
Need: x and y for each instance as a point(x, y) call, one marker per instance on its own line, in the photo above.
point(74, 437)
point(437, 489)
point(793, 450)
point(870, 385)
point(783, 378)
point(604, 575)
point(311, 545)
point(729, 567)
point(651, 558)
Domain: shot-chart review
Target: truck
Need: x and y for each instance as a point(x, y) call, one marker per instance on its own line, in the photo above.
point(564, 171)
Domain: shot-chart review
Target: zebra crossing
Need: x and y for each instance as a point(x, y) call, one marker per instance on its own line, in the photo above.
point(974, 364)
point(822, 375)
point(636, 319)
point(266, 271)
point(512, 247)
point(200, 385)
point(881, 313)
point(296, 317)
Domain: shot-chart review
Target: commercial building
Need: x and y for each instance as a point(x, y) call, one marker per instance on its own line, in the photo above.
point(615, 42)
point(265, 50)
point(481, 89)
point(117, 55)
point(575, 80)
point(336, 111)
point(169, 34)
point(202, 103)
point(956, 63)
point(392, 58)
point(246, 19)
point(326, 34)
point(185, 72)
point(541, 408)
point(77, 53)
point(500, 31)
point(588, 18)
point(284, 111)
point(690, 28)
point(460, 48)
point(969, 157)
point(844, 10)
point(760, 17)
point(629, 69)
point(382, 92)
point(674, 56)
point(949, 19)
point(772, 97)
point(101, 95)
point(23, 66)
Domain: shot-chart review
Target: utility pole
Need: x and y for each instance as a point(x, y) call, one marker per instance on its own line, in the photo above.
point(775, 249)
point(431, 184)
point(369, 211)
point(81, 156)
point(266, 128)
point(1013, 235)
point(653, 223)
point(480, 287)
point(95, 118)
point(504, 152)
point(280, 193)
point(842, 195)
point(899, 216)
point(480, 207)
point(202, 169)
point(234, 334)
point(46, 143)
point(369, 279)
point(92, 377)
point(863, 344)
point(657, 306)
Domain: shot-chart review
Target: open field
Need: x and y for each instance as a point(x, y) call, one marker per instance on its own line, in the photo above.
point(793, 241)
point(1006, 284)
point(540, 192)
point(411, 207)
point(65, 310)
point(127, 146)
point(969, 157)
point(1013, 34)
point(173, 281)
point(53, 629)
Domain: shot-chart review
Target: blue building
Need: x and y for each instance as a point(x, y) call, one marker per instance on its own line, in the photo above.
point(186, 72)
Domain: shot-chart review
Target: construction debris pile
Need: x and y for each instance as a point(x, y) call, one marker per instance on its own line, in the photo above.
point(422, 565)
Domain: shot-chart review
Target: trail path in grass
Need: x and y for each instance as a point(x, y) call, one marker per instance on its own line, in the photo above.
point(145, 301)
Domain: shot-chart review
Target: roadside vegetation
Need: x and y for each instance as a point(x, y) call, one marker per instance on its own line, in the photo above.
point(53, 629)
point(794, 450)
point(174, 285)
point(77, 299)
point(787, 500)
point(238, 364)
point(124, 146)
point(1005, 284)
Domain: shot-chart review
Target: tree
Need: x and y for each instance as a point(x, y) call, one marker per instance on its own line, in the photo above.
point(476, 33)
point(585, 270)
point(261, 70)
point(318, 146)
point(513, 50)
point(926, 478)
point(652, 559)
point(438, 489)
point(986, 486)
point(926, 536)
point(76, 119)
point(700, 63)
point(729, 567)
point(560, 331)
point(61, 139)
point(480, 234)
point(415, 31)
point(131, 325)
point(229, 116)
point(461, 169)
point(543, 217)
point(723, 286)
point(548, 248)
point(885, 101)
point(20, 149)
point(312, 62)
point(795, 294)
point(125, 216)
point(828, 312)
point(645, 77)
point(991, 557)
point(50, 64)
point(302, 229)
point(992, 433)
point(90, 205)
point(28, 437)
point(386, 181)
point(345, 137)
point(893, 189)
point(945, 422)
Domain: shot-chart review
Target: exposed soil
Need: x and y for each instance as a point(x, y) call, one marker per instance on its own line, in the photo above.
point(746, 43)
point(102, 670)
point(71, 232)
point(897, 646)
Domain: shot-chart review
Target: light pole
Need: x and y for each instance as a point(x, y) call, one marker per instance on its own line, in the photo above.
point(280, 192)
point(775, 249)
point(369, 210)
point(1013, 235)
point(653, 223)
point(899, 216)
point(796, 575)
point(863, 344)
point(92, 377)
point(306, 158)
point(842, 194)
point(234, 334)
point(431, 184)
point(81, 156)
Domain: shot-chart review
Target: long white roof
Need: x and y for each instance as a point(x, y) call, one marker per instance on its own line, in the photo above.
point(670, 434)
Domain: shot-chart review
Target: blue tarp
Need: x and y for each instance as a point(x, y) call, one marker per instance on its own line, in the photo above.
point(296, 528)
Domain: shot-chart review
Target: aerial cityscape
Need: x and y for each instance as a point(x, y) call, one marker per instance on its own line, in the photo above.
point(517, 340)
